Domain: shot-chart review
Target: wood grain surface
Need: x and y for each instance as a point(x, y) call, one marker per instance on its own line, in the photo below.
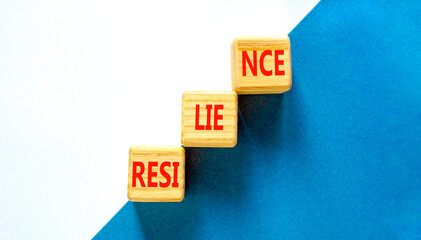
point(147, 154)
point(259, 83)
point(227, 137)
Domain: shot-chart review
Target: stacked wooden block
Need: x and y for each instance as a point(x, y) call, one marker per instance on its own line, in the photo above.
point(259, 65)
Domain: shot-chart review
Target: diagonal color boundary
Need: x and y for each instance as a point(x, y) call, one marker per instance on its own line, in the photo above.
point(337, 157)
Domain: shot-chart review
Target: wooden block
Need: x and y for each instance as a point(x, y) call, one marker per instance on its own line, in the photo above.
point(209, 119)
point(156, 174)
point(261, 65)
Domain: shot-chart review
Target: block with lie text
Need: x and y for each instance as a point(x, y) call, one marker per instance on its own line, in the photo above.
point(156, 174)
point(261, 65)
point(209, 119)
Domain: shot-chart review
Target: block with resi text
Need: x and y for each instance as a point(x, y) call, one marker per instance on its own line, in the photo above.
point(156, 174)
point(261, 65)
point(209, 119)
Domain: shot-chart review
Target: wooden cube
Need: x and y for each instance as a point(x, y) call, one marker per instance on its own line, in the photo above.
point(261, 65)
point(156, 174)
point(209, 119)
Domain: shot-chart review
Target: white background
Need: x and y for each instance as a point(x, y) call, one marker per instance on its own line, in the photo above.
point(82, 81)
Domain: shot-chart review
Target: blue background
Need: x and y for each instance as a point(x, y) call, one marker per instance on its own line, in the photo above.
point(336, 157)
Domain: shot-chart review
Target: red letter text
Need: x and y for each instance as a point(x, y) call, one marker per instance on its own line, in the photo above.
point(138, 175)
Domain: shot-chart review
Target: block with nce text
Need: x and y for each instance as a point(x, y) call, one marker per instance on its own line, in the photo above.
point(156, 174)
point(209, 119)
point(261, 65)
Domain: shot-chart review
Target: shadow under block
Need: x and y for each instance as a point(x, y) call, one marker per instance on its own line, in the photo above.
point(209, 119)
point(156, 174)
point(261, 65)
